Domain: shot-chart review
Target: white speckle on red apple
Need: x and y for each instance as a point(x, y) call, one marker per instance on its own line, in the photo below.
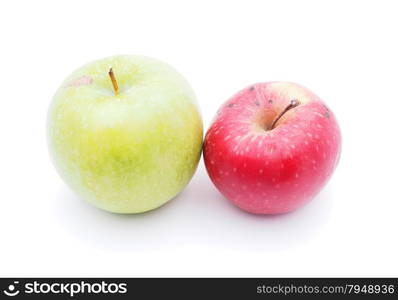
point(283, 166)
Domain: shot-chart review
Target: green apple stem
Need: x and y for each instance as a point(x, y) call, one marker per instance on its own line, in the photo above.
point(292, 104)
point(114, 82)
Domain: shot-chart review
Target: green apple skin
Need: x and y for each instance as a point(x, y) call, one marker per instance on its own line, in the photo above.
point(131, 152)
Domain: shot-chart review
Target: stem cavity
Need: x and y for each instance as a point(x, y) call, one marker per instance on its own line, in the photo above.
point(294, 103)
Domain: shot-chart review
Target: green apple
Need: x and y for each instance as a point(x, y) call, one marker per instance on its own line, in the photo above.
point(125, 133)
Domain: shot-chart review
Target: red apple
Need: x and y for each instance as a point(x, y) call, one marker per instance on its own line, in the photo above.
point(272, 147)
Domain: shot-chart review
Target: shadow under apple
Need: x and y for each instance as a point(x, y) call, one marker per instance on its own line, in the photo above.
point(198, 217)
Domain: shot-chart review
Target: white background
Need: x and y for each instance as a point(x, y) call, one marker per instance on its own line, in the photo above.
point(345, 51)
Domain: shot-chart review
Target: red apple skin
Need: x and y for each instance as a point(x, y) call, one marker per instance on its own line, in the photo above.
point(272, 171)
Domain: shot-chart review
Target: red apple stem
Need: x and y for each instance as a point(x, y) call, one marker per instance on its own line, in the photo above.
point(292, 104)
point(114, 82)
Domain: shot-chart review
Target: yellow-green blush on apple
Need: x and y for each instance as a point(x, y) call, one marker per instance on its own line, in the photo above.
point(125, 133)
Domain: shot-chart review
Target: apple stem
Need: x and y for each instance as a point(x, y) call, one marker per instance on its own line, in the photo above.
point(114, 82)
point(292, 104)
